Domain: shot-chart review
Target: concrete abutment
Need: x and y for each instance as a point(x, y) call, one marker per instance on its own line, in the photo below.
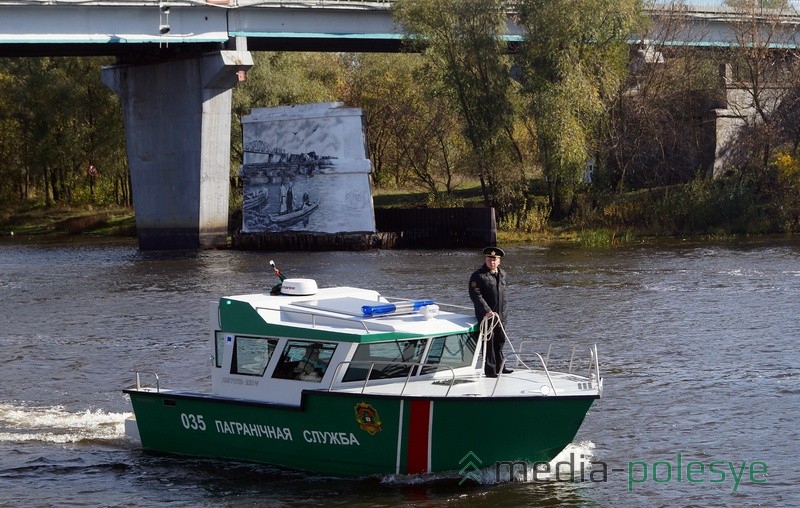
point(177, 118)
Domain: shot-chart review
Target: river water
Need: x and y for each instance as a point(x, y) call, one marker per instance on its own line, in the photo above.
point(698, 345)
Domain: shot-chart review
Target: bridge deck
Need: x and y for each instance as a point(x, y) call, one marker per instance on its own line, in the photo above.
point(134, 27)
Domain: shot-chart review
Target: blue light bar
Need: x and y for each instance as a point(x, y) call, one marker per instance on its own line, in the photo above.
point(394, 308)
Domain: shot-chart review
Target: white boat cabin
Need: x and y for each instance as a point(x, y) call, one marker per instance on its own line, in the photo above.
point(269, 348)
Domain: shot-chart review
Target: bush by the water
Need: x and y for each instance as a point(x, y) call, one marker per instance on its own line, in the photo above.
point(701, 207)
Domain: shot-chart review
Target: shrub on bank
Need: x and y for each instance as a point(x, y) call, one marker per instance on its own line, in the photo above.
point(699, 207)
point(718, 207)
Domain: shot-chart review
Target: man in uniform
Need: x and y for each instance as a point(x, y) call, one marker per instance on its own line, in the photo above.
point(487, 288)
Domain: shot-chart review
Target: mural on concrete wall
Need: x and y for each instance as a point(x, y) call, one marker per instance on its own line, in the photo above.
point(278, 194)
point(303, 171)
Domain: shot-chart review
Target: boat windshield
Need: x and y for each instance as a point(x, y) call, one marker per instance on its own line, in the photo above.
point(391, 359)
point(454, 351)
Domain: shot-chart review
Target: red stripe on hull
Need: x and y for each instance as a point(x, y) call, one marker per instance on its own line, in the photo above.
point(418, 432)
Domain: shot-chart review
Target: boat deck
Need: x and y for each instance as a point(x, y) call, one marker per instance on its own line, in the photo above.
point(520, 383)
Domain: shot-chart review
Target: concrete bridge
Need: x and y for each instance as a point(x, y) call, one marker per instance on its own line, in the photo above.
point(177, 62)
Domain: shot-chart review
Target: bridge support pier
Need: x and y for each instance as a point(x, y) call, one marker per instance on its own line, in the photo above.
point(177, 117)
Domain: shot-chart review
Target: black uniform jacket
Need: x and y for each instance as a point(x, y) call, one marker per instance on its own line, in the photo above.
point(487, 292)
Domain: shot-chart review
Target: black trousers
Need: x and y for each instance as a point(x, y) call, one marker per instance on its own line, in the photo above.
point(494, 353)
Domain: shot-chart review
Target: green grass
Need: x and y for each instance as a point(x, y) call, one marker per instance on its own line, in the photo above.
point(40, 220)
point(604, 237)
point(632, 217)
point(407, 198)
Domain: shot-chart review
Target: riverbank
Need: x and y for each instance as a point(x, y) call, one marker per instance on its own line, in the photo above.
point(69, 221)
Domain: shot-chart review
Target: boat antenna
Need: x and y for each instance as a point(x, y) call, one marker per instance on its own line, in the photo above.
point(276, 289)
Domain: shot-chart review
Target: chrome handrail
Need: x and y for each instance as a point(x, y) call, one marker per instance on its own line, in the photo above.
point(315, 315)
point(139, 383)
point(544, 368)
point(522, 345)
point(594, 363)
point(571, 357)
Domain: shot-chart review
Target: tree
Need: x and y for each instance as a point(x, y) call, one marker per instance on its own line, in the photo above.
point(13, 186)
point(413, 133)
point(57, 118)
point(371, 79)
point(762, 60)
point(660, 129)
point(462, 40)
point(572, 61)
point(99, 137)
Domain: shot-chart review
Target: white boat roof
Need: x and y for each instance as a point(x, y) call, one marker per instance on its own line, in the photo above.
point(339, 310)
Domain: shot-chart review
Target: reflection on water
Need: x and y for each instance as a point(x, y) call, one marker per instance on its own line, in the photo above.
point(697, 344)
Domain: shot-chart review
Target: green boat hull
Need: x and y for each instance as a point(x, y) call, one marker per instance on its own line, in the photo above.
point(346, 434)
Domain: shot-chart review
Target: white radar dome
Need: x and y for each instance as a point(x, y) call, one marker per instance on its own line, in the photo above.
point(299, 287)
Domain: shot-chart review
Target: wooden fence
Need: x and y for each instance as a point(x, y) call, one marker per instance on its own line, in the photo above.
point(401, 228)
point(439, 228)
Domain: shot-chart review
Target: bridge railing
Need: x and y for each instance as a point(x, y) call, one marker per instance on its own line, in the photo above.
point(709, 7)
point(221, 3)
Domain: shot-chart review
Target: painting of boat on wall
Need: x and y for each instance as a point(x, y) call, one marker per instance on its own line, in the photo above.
point(296, 216)
point(305, 170)
point(279, 193)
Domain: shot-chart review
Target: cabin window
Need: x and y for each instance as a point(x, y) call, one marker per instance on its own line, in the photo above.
point(304, 360)
point(251, 355)
point(454, 351)
point(386, 359)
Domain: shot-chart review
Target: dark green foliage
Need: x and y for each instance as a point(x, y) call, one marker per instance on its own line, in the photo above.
point(700, 207)
point(56, 118)
point(452, 117)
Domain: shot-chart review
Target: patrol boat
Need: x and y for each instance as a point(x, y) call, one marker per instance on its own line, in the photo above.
point(343, 381)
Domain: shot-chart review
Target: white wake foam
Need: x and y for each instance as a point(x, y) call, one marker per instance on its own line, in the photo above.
point(54, 424)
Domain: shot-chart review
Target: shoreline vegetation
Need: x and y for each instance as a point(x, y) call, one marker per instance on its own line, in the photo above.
point(665, 143)
point(57, 223)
